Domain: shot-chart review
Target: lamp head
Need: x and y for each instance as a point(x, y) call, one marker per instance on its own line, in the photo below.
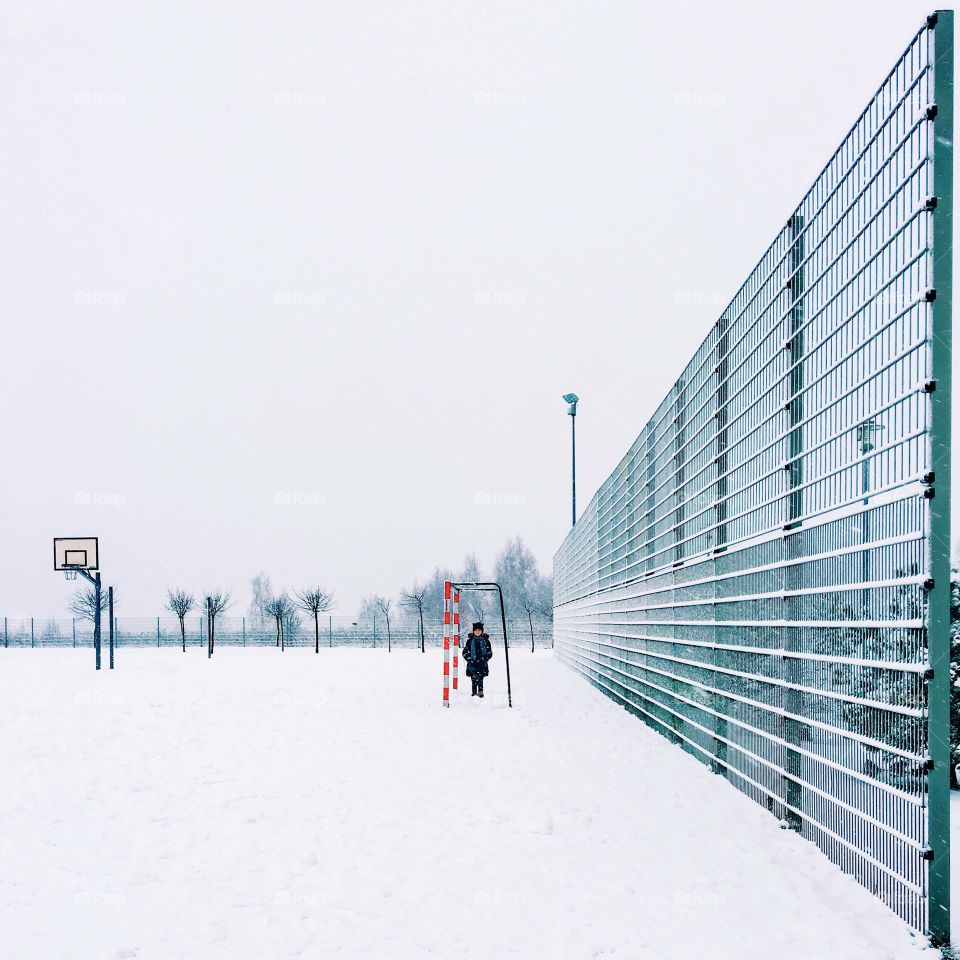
point(572, 399)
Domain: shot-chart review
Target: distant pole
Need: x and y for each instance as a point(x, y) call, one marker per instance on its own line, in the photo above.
point(6, 636)
point(31, 631)
point(506, 645)
point(73, 624)
point(572, 399)
point(112, 622)
point(573, 469)
point(330, 628)
point(158, 631)
point(243, 628)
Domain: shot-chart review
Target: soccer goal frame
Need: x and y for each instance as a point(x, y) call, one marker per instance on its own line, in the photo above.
point(451, 619)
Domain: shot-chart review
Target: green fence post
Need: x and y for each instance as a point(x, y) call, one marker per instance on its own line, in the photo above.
point(792, 699)
point(158, 631)
point(31, 631)
point(938, 783)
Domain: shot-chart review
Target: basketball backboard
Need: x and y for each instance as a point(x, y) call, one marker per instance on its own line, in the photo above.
point(75, 553)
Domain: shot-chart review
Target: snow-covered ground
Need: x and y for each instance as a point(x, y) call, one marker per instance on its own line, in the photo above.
point(265, 806)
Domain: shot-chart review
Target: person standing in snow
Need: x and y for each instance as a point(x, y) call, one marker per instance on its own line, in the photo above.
point(477, 653)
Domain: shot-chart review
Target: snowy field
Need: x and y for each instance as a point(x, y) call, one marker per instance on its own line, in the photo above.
point(269, 806)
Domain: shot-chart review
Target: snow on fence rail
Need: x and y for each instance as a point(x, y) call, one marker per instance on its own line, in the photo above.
point(240, 631)
point(764, 578)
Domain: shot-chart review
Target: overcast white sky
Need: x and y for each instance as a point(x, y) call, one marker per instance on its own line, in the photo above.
point(349, 255)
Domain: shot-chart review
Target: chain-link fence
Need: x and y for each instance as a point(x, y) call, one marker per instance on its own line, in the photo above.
point(764, 578)
point(247, 631)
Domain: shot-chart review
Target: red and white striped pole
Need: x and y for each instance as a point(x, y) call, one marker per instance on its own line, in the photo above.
point(456, 638)
point(446, 643)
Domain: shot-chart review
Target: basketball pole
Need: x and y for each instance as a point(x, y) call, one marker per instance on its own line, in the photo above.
point(97, 602)
point(110, 605)
point(97, 631)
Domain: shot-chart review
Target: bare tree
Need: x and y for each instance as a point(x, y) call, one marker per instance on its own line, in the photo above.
point(216, 602)
point(180, 603)
point(531, 606)
point(260, 591)
point(314, 600)
point(516, 570)
point(414, 598)
point(472, 573)
point(83, 603)
point(279, 608)
point(384, 604)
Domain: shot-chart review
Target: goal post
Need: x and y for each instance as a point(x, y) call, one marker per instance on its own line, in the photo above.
point(447, 590)
point(451, 632)
point(456, 639)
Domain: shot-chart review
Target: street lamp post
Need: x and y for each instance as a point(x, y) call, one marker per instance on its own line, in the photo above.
point(573, 399)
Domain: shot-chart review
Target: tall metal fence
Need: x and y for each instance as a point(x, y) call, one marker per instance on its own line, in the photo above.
point(764, 578)
point(247, 631)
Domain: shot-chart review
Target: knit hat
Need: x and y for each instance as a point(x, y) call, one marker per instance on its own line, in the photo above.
point(478, 626)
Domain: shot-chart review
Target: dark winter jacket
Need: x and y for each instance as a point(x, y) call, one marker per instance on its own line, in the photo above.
point(477, 651)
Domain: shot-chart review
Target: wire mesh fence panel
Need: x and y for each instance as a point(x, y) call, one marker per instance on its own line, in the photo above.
point(233, 631)
point(764, 578)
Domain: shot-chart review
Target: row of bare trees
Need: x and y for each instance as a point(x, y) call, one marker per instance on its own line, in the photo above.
point(527, 593)
point(281, 609)
point(276, 607)
point(213, 603)
point(374, 607)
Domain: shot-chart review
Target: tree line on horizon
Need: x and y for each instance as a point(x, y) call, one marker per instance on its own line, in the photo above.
point(527, 593)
